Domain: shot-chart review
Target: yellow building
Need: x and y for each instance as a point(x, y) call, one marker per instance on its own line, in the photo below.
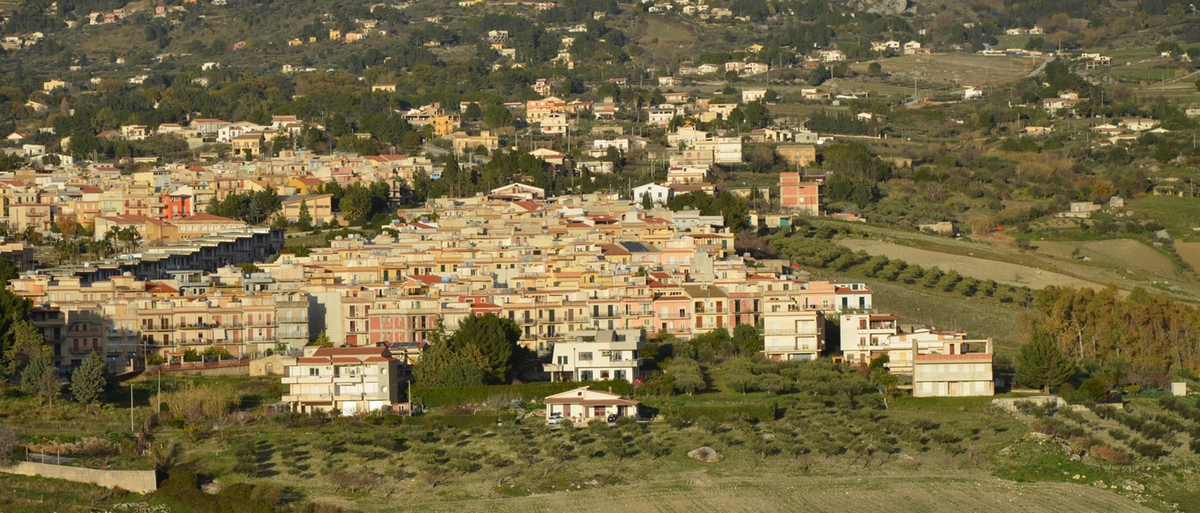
point(320, 208)
point(444, 125)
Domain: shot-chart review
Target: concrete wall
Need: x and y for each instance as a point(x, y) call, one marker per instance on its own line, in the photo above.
point(140, 481)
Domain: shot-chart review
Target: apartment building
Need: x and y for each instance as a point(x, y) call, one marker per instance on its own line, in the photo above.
point(790, 330)
point(799, 196)
point(956, 368)
point(587, 355)
point(865, 336)
point(350, 380)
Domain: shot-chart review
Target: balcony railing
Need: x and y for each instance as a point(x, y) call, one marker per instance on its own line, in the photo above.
point(160, 327)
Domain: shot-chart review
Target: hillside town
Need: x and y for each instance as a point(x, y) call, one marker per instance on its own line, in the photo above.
point(554, 266)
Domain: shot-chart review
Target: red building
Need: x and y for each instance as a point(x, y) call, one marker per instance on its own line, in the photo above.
point(176, 206)
point(799, 196)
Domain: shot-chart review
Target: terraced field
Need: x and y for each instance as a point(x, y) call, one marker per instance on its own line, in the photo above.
point(966, 265)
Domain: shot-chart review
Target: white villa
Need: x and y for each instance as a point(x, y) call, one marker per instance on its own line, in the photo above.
point(598, 355)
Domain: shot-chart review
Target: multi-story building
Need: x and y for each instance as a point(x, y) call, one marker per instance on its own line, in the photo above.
point(350, 380)
point(799, 196)
point(957, 368)
point(587, 355)
point(865, 336)
point(790, 330)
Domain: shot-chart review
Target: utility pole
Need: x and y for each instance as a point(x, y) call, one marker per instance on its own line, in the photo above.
point(131, 430)
point(159, 408)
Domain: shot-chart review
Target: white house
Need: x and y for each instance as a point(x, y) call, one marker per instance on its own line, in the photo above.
point(585, 405)
point(555, 123)
point(753, 95)
point(958, 368)
point(599, 354)
point(660, 116)
point(681, 175)
point(659, 194)
point(351, 380)
point(971, 93)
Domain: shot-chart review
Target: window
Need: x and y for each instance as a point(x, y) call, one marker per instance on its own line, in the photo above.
point(603, 374)
point(313, 371)
point(619, 374)
point(562, 360)
point(585, 357)
point(585, 375)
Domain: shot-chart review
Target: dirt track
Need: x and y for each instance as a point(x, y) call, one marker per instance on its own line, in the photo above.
point(978, 268)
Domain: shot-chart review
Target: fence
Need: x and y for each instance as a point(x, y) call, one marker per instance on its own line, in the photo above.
point(188, 367)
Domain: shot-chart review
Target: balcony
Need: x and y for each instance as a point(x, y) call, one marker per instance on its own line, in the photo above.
point(607, 363)
point(674, 316)
point(160, 327)
point(260, 324)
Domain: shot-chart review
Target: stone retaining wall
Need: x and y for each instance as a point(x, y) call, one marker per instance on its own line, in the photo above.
point(140, 481)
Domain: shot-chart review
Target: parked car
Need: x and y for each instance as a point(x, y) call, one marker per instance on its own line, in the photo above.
point(613, 417)
point(554, 418)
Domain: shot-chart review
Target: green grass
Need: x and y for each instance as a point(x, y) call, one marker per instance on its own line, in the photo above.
point(916, 305)
point(33, 495)
point(1178, 215)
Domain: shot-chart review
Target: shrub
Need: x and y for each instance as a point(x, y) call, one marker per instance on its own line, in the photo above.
point(1105, 411)
point(1111, 455)
point(245, 456)
point(1118, 433)
point(1147, 449)
point(1153, 430)
point(1092, 390)
point(8, 444)
point(721, 413)
point(433, 397)
point(460, 421)
point(197, 402)
point(1067, 392)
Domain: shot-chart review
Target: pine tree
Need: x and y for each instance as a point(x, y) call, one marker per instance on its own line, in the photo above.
point(647, 203)
point(27, 343)
point(433, 362)
point(90, 380)
point(495, 337)
point(304, 219)
point(41, 378)
point(1041, 364)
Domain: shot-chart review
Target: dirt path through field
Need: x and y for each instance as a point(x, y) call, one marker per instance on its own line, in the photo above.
point(780, 492)
point(978, 268)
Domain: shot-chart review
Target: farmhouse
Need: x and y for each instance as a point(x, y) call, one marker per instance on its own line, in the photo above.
point(585, 405)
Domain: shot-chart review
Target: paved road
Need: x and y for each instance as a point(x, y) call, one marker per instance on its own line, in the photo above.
point(1041, 66)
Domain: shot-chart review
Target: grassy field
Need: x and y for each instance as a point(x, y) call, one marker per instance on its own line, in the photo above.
point(978, 319)
point(1180, 216)
point(949, 71)
point(1124, 263)
point(823, 453)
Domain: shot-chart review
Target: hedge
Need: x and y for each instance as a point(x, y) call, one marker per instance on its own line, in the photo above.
point(460, 421)
point(433, 397)
point(720, 413)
